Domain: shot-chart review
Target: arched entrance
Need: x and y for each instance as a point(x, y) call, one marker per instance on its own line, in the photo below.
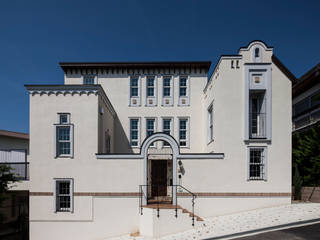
point(159, 170)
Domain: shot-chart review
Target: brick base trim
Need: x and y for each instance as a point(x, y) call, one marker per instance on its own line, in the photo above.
point(199, 194)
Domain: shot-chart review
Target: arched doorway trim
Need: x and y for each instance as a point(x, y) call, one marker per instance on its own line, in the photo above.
point(175, 152)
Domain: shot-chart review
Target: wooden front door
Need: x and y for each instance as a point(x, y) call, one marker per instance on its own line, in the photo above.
point(159, 178)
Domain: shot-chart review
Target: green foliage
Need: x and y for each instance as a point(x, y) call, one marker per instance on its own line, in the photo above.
point(306, 156)
point(6, 177)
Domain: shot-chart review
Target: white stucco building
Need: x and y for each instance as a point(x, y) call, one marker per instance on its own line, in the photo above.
point(125, 147)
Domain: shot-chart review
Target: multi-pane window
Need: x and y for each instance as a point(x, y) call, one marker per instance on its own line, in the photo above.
point(63, 195)
point(150, 87)
point(88, 79)
point(134, 87)
point(134, 132)
point(166, 128)
point(257, 164)
point(150, 127)
point(166, 86)
point(210, 123)
point(183, 86)
point(183, 132)
point(64, 140)
point(64, 118)
point(64, 135)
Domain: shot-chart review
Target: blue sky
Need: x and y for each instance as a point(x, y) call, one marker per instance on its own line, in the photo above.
point(36, 35)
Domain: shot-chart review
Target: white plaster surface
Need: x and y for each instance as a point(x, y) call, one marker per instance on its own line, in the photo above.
point(244, 221)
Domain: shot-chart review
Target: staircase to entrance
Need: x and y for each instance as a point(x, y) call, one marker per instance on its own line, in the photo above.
point(159, 217)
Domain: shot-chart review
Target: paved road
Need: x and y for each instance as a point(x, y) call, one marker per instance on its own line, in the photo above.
point(310, 232)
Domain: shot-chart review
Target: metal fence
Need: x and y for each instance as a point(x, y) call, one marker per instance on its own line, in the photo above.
point(19, 169)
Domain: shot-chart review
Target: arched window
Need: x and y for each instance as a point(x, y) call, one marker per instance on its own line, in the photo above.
point(257, 52)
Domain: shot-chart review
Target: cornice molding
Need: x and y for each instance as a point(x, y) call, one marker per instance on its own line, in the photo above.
point(72, 90)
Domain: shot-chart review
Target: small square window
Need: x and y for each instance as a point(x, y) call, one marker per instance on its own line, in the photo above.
point(89, 79)
point(64, 118)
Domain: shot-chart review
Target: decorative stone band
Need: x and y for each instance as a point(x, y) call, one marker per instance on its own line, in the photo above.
point(199, 194)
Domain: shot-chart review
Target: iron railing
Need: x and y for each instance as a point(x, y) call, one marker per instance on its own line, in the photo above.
point(156, 188)
point(19, 169)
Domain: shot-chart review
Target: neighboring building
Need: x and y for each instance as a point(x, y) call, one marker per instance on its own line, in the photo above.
point(306, 100)
point(118, 140)
point(14, 148)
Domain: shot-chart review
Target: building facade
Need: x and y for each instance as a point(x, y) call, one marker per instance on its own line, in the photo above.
point(156, 147)
point(306, 100)
point(14, 210)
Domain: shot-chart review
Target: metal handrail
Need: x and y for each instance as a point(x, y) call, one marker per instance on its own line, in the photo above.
point(143, 194)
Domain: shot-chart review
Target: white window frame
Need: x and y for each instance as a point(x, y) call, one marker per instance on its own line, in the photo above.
point(56, 195)
point(167, 100)
point(154, 127)
point(56, 137)
point(184, 100)
point(187, 131)
point(264, 162)
point(210, 123)
point(151, 101)
point(171, 127)
point(89, 76)
point(138, 130)
point(134, 101)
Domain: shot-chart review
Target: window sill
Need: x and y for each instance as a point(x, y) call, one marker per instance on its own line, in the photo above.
point(256, 180)
point(64, 156)
point(257, 140)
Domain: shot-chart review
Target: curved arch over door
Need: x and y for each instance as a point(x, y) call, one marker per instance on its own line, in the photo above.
point(175, 152)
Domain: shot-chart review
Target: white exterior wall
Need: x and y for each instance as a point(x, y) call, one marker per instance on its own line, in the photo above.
point(117, 88)
point(97, 217)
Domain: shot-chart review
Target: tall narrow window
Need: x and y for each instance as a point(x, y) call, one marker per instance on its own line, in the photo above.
point(167, 128)
point(257, 124)
point(183, 91)
point(150, 127)
point(134, 132)
point(64, 195)
point(210, 123)
point(108, 143)
point(257, 53)
point(64, 136)
point(134, 88)
point(167, 91)
point(257, 168)
point(167, 86)
point(183, 87)
point(88, 79)
point(183, 132)
point(150, 87)
point(64, 140)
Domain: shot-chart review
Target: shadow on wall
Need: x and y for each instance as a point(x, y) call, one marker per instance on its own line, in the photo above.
point(121, 141)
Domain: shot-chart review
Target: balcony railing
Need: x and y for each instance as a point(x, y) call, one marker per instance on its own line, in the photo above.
point(257, 125)
point(19, 169)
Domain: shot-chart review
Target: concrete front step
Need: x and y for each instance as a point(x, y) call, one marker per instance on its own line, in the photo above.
point(158, 223)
